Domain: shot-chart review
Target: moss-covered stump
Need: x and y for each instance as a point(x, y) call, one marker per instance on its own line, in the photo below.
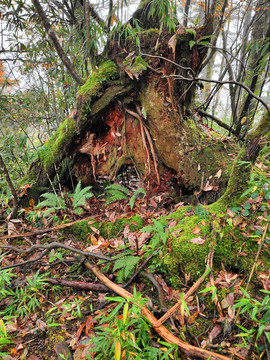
point(131, 112)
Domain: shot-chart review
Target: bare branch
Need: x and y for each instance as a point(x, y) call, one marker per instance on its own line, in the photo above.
point(54, 245)
point(179, 77)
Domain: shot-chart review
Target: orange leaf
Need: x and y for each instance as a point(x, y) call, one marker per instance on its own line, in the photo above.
point(196, 230)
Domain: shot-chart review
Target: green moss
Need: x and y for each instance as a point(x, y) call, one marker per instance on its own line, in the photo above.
point(262, 128)
point(136, 66)
point(52, 150)
point(53, 338)
point(239, 179)
point(113, 229)
point(106, 71)
point(109, 95)
point(108, 230)
point(228, 242)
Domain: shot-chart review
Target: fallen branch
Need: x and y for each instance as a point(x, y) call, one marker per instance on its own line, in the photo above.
point(54, 245)
point(82, 285)
point(186, 348)
point(217, 121)
point(43, 231)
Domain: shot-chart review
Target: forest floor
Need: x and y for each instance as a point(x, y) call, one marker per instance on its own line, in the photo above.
point(52, 303)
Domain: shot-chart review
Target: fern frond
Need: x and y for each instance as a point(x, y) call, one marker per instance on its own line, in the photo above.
point(116, 197)
point(79, 197)
point(52, 200)
point(126, 264)
point(133, 197)
point(118, 187)
point(77, 188)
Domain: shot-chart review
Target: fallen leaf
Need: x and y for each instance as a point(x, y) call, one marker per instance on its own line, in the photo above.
point(218, 174)
point(176, 232)
point(95, 230)
point(207, 187)
point(217, 329)
point(197, 240)
point(41, 324)
point(196, 230)
point(237, 220)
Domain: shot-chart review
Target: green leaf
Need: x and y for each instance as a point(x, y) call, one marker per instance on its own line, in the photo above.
point(191, 44)
point(203, 43)
point(133, 198)
point(207, 289)
point(245, 213)
point(191, 31)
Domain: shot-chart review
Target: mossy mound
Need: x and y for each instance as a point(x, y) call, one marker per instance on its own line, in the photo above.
point(190, 246)
point(108, 230)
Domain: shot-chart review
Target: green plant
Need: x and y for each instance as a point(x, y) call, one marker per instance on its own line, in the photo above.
point(79, 197)
point(53, 203)
point(4, 337)
point(159, 231)
point(56, 203)
point(127, 336)
point(126, 264)
point(74, 307)
point(116, 192)
point(24, 299)
point(133, 197)
point(259, 313)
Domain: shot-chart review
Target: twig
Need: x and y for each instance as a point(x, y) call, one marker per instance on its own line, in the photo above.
point(78, 284)
point(218, 121)
point(195, 79)
point(170, 61)
point(186, 348)
point(12, 189)
point(26, 262)
point(137, 272)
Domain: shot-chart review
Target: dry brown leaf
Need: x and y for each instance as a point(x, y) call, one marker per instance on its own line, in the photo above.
point(207, 186)
point(217, 329)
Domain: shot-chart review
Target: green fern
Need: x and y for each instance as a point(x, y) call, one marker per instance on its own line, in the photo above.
point(126, 264)
point(79, 197)
point(133, 197)
point(52, 202)
point(116, 192)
